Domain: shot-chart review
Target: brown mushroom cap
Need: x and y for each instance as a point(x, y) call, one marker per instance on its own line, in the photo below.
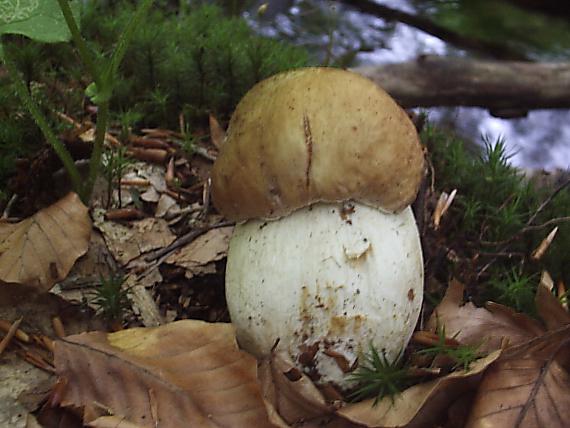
point(316, 135)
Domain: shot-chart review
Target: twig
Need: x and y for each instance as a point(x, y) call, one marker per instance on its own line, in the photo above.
point(9, 205)
point(186, 239)
point(529, 227)
point(22, 336)
point(11, 333)
point(547, 201)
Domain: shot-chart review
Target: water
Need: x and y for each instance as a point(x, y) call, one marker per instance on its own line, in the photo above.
point(540, 140)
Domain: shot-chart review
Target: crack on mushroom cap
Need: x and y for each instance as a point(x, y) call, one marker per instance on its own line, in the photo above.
point(316, 135)
point(309, 144)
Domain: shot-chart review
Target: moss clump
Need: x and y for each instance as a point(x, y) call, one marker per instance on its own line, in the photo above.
point(497, 220)
point(194, 63)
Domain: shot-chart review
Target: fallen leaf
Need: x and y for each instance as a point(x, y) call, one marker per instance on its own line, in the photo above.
point(142, 302)
point(484, 327)
point(550, 309)
point(292, 395)
point(217, 133)
point(198, 256)
point(526, 387)
point(188, 373)
point(127, 242)
point(40, 250)
point(165, 205)
point(17, 377)
point(420, 405)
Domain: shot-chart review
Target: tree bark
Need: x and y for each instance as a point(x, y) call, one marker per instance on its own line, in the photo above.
point(507, 88)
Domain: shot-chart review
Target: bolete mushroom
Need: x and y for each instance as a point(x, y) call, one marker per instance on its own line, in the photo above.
point(320, 166)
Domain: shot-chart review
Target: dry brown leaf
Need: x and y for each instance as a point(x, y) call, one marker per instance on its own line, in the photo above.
point(142, 301)
point(188, 373)
point(127, 242)
point(40, 250)
point(484, 327)
point(421, 405)
point(198, 257)
point(527, 387)
point(217, 133)
point(550, 309)
point(289, 392)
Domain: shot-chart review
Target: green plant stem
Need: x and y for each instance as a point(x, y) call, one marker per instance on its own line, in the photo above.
point(38, 116)
point(83, 49)
point(127, 36)
point(95, 161)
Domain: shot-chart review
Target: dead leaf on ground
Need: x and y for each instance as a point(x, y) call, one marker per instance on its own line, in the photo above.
point(199, 256)
point(17, 377)
point(127, 242)
point(550, 309)
point(526, 387)
point(188, 373)
point(142, 302)
point(40, 250)
point(217, 133)
point(289, 393)
point(484, 327)
point(420, 405)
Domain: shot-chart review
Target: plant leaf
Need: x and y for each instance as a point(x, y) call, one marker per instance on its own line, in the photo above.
point(40, 20)
point(40, 250)
point(484, 327)
point(526, 387)
point(187, 373)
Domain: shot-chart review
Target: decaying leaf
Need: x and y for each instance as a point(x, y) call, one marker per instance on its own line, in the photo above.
point(420, 405)
point(40, 250)
point(526, 387)
point(199, 256)
point(187, 373)
point(142, 302)
point(217, 133)
point(550, 309)
point(444, 202)
point(289, 392)
point(127, 242)
point(293, 396)
point(485, 327)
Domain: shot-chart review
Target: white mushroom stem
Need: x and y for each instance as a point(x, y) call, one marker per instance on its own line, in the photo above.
point(326, 282)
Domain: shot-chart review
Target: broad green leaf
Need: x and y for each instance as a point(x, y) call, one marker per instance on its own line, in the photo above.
point(40, 20)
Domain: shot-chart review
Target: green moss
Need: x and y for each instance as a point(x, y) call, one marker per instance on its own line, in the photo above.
point(198, 63)
point(495, 223)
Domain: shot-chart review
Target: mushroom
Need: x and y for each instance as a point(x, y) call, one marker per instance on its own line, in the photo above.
point(319, 168)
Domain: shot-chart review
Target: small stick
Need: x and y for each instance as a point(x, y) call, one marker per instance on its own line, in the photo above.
point(140, 182)
point(124, 214)
point(11, 333)
point(58, 327)
point(37, 361)
point(9, 205)
point(22, 336)
point(428, 338)
point(186, 239)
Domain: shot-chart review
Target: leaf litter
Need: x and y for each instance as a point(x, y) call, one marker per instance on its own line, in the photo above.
point(162, 372)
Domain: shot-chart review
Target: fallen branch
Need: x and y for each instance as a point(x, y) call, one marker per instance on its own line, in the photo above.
point(507, 88)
